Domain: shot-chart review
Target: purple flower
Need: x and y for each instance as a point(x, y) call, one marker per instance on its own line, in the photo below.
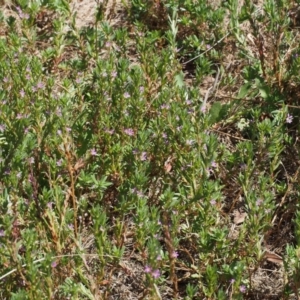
point(165, 106)
point(213, 202)
point(174, 254)
point(143, 156)
point(129, 131)
point(5, 79)
point(2, 233)
point(59, 162)
point(109, 131)
point(22, 93)
point(203, 108)
point(19, 175)
point(31, 160)
point(141, 89)
point(147, 269)
point(40, 85)
point(54, 264)
point(214, 164)
point(93, 152)
point(259, 202)
point(289, 119)
point(126, 95)
point(232, 281)
point(242, 289)
point(50, 205)
point(159, 258)
point(156, 273)
point(2, 127)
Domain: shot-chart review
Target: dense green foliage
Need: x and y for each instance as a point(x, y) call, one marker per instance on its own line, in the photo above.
point(164, 149)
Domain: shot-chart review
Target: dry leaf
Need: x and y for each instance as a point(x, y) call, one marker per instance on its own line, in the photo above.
point(239, 217)
point(273, 257)
point(79, 164)
point(168, 165)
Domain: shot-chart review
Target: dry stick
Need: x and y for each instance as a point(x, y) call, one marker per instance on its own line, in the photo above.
point(171, 251)
point(287, 191)
point(219, 41)
point(72, 188)
point(44, 258)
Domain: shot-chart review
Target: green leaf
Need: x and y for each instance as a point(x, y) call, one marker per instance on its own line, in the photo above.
point(244, 90)
point(179, 80)
point(217, 112)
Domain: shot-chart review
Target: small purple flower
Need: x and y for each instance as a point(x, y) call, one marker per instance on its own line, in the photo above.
point(140, 193)
point(188, 102)
point(59, 132)
point(109, 131)
point(31, 160)
point(213, 202)
point(114, 74)
point(5, 79)
point(40, 85)
point(158, 258)
point(289, 119)
point(232, 281)
point(71, 226)
point(164, 135)
point(126, 95)
point(143, 156)
point(50, 205)
point(19, 175)
point(156, 274)
point(242, 289)
point(93, 152)
point(129, 131)
point(214, 164)
point(203, 108)
point(141, 89)
point(54, 264)
point(147, 269)
point(165, 106)
point(78, 80)
point(22, 93)
point(259, 202)
point(2, 233)
point(174, 254)
point(59, 162)
point(2, 128)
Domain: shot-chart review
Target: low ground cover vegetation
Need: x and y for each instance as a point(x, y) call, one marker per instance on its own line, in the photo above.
point(152, 153)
